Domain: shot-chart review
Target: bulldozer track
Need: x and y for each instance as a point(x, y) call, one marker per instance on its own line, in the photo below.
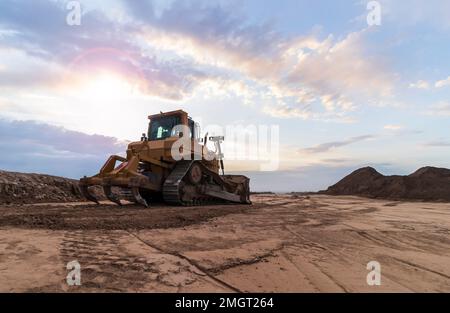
point(171, 187)
point(172, 192)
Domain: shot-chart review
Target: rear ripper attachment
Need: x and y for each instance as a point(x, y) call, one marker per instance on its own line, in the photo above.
point(149, 172)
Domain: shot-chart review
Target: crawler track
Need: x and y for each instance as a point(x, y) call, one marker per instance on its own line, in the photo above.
point(173, 187)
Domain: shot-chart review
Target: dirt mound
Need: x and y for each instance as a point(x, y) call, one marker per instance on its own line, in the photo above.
point(37, 188)
point(427, 184)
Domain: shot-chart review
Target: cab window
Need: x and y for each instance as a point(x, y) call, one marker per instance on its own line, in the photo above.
point(163, 127)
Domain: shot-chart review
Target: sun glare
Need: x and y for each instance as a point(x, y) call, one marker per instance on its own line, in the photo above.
point(106, 88)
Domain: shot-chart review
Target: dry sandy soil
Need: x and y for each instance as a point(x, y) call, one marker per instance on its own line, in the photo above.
point(282, 243)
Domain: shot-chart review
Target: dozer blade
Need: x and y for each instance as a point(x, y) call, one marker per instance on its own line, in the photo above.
point(137, 197)
point(111, 196)
point(87, 194)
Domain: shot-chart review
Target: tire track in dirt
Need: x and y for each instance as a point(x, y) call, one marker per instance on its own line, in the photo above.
point(191, 262)
point(311, 268)
point(420, 267)
point(379, 241)
point(314, 244)
point(405, 244)
point(343, 258)
point(103, 266)
point(112, 267)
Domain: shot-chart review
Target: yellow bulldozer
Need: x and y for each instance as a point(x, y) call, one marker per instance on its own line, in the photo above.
point(170, 163)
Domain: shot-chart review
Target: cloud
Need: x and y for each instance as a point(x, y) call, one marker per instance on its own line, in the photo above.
point(285, 111)
point(173, 52)
point(421, 84)
point(442, 83)
point(438, 144)
point(393, 127)
point(302, 71)
point(335, 161)
point(21, 69)
point(37, 147)
point(399, 130)
point(142, 9)
point(99, 43)
point(325, 147)
point(440, 109)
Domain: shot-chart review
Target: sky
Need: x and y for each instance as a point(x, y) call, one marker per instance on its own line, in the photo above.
point(342, 93)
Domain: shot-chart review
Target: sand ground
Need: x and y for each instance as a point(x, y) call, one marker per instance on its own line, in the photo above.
point(282, 243)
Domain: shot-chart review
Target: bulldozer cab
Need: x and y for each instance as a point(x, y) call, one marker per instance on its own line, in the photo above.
point(164, 125)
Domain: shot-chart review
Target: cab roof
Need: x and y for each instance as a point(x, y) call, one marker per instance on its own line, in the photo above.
point(162, 114)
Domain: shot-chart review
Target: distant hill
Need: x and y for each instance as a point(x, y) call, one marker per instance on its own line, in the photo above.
point(427, 184)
